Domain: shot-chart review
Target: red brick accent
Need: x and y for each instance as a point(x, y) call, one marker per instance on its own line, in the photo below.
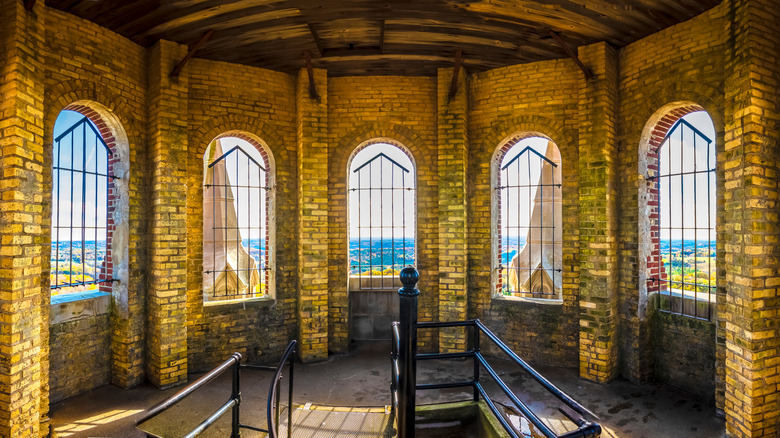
point(658, 134)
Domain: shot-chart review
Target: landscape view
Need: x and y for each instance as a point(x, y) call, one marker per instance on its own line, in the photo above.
point(380, 256)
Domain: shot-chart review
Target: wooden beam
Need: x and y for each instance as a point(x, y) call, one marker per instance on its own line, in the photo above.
point(191, 53)
point(29, 5)
point(317, 39)
point(572, 55)
point(310, 70)
point(455, 74)
point(382, 36)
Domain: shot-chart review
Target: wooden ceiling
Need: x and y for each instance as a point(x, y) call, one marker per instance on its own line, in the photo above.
point(377, 37)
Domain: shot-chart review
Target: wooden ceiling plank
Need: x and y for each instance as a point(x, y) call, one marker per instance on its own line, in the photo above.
point(382, 36)
point(180, 66)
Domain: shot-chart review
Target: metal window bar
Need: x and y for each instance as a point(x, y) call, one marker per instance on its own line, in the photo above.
point(378, 219)
point(683, 296)
point(510, 227)
point(69, 171)
point(254, 222)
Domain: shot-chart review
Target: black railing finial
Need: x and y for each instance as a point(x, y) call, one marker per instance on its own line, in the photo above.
point(409, 277)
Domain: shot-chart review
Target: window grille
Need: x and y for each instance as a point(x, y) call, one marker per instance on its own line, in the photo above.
point(686, 222)
point(382, 194)
point(81, 188)
point(529, 223)
point(235, 226)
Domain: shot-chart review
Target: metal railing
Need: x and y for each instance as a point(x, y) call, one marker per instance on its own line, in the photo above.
point(403, 380)
point(234, 402)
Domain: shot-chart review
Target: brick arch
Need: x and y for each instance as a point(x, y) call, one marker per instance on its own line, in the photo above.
point(500, 138)
point(248, 128)
point(653, 134)
point(265, 140)
point(112, 117)
point(425, 161)
point(94, 100)
point(420, 152)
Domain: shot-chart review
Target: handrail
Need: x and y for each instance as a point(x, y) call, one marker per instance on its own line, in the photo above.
point(234, 402)
point(585, 427)
point(166, 404)
point(273, 420)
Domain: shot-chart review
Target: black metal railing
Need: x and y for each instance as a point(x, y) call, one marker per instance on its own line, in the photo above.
point(403, 380)
point(233, 403)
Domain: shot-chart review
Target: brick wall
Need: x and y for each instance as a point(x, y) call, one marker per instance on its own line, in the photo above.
point(751, 309)
point(689, 365)
point(81, 356)
point(258, 105)
point(402, 109)
point(539, 99)
point(662, 77)
point(23, 321)
point(83, 74)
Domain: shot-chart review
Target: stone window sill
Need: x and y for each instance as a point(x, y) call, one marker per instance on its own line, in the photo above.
point(243, 303)
point(69, 307)
point(542, 301)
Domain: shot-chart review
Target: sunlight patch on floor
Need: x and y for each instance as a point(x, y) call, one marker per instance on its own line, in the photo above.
point(96, 420)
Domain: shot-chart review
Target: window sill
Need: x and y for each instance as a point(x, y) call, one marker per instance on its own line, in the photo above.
point(242, 303)
point(543, 301)
point(69, 307)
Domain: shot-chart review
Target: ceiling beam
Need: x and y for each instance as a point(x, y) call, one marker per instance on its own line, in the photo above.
point(29, 5)
point(572, 55)
point(382, 36)
point(180, 66)
point(455, 74)
point(316, 36)
point(310, 70)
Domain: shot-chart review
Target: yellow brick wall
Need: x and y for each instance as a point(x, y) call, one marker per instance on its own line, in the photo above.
point(402, 109)
point(23, 323)
point(225, 98)
point(82, 66)
point(540, 98)
point(677, 66)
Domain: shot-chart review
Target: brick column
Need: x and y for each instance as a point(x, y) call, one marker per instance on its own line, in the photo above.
point(598, 215)
point(750, 230)
point(24, 321)
point(313, 203)
point(453, 163)
point(167, 294)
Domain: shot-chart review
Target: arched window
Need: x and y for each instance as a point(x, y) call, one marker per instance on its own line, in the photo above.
point(237, 242)
point(82, 203)
point(683, 215)
point(381, 215)
point(529, 233)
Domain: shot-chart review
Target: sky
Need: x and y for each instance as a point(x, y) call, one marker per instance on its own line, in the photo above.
point(392, 210)
point(70, 204)
point(246, 178)
point(688, 193)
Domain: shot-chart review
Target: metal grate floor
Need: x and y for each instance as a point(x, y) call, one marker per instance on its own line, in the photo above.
point(311, 421)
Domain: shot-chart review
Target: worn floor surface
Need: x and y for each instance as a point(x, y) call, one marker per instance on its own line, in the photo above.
point(361, 378)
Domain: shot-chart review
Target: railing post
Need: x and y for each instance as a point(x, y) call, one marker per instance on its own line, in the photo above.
point(476, 361)
point(236, 394)
point(408, 352)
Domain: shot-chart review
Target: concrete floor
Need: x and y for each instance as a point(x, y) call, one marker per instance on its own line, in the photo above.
point(361, 378)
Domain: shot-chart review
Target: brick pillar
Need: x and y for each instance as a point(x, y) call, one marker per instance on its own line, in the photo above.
point(598, 215)
point(452, 159)
point(167, 294)
point(24, 321)
point(750, 228)
point(313, 203)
